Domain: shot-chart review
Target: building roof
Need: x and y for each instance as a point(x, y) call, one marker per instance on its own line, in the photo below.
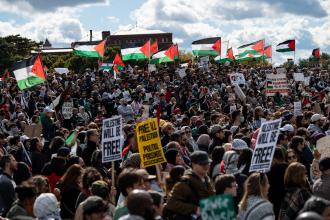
point(136, 31)
point(53, 50)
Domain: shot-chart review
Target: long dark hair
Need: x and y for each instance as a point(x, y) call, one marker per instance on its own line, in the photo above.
point(217, 155)
point(69, 179)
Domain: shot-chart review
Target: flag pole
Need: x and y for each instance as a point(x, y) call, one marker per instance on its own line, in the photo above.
point(263, 52)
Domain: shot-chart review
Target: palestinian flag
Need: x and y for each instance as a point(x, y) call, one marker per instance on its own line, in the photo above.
point(251, 51)
point(5, 75)
point(268, 51)
point(90, 50)
point(249, 57)
point(133, 53)
point(316, 53)
point(118, 64)
point(229, 57)
point(270, 85)
point(149, 49)
point(165, 56)
point(206, 47)
point(29, 72)
point(286, 46)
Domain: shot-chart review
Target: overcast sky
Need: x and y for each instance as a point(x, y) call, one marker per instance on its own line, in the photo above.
point(239, 21)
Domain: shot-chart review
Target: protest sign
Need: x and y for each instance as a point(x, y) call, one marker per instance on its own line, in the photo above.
point(299, 77)
point(240, 94)
point(181, 72)
point(152, 68)
point(219, 207)
point(280, 70)
point(111, 139)
point(204, 63)
point(306, 80)
point(237, 78)
point(297, 108)
point(265, 146)
point(67, 110)
point(276, 83)
point(33, 130)
point(323, 146)
point(150, 147)
point(62, 70)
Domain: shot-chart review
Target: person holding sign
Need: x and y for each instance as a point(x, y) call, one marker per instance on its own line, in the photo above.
point(254, 204)
point(183, 200)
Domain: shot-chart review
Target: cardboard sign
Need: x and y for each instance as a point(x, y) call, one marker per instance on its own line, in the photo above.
point(67, 110)
point(297, 108)
point(299, 77)
point(150, 147)
point(152, 68)
point(33, 130)
point(265, 146)
point(276, 83)
point(237, 78)
point(111, 139)
point(219, 207)
point(323, 146)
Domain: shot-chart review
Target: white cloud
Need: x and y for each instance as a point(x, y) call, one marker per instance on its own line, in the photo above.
point(113, 19)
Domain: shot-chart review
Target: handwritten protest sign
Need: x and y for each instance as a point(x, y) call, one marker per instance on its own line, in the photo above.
point(111, 139)
point(297, 108)
point(220, 207)
point(67, 110)
point(150, 147)
point(276, 83)
point(265, 147)
point(237, 78)
point(62, 70)
point(323, 146)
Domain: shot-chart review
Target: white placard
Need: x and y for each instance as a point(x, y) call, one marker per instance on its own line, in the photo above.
point(297, 108)
point(152, 68)
point(181, 72)
point(323, 146)
point(299, 77)
point(276, 83)
point(204, 62)
point(306, 80)
point(67, 110)
point(62, 70)
point(239, 92)
point(237, 78)
point(111, 139)
point(265, 147)
point(280, 70)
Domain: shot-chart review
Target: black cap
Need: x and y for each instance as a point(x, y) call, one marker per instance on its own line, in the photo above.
point(200, 157)
point(324, 164)
point(63, 151)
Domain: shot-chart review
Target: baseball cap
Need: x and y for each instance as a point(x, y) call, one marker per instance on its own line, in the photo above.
point(315, 117)
point(48, 110)
point(63, 152)
point(287, 127)
point(324, 164)
point(200, 157)
point(94, 204)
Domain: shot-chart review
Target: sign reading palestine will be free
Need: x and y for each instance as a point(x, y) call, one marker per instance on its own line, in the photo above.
point(150, 147)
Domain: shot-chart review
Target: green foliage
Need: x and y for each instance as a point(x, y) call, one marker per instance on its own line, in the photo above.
point(15, 48)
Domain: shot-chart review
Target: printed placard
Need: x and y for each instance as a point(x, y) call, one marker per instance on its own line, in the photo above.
point(67, 110)
point(111, 139)
point(265, 147)
point(150, 147)
point(237, 78)
point(276, 83)
point(323, 146)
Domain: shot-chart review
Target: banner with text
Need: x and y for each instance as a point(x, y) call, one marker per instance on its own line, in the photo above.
point(150, 147)
point(111, 139)
point(276, 83)
point(265, 147)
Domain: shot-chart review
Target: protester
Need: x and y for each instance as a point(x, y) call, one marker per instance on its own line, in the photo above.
point(46, 207)
point(318, 205)
point(321, 186)
point(254, 204)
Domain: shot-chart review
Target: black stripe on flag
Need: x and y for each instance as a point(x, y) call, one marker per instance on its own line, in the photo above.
point(24, 63)
point(210, 40)
point(285, 42)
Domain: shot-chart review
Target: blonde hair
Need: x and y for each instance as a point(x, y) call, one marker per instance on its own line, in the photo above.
point(253, 187)
point(295, 176)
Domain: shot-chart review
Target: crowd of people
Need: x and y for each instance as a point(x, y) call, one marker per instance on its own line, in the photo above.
point(208, 134)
